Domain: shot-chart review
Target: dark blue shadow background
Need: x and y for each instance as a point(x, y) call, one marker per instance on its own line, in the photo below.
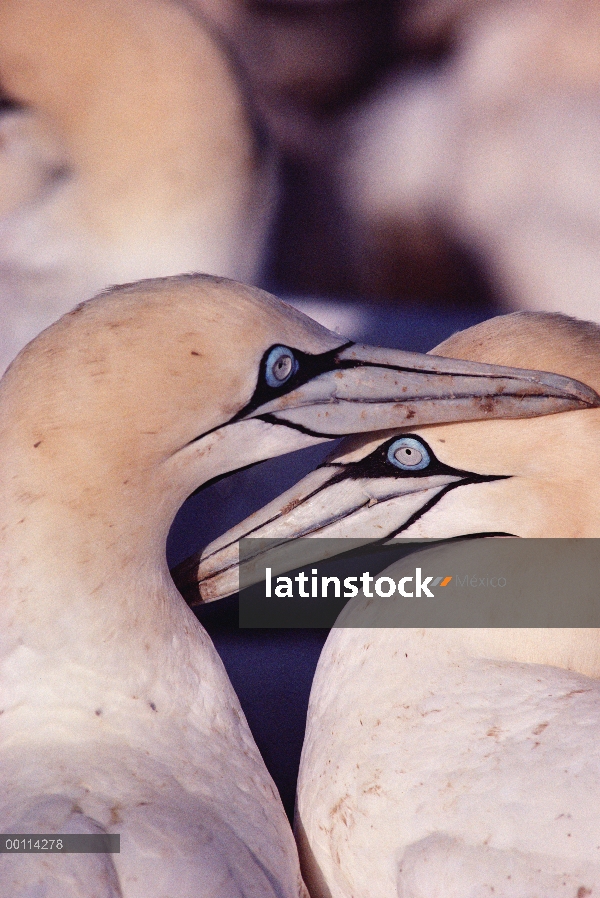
point(272, 670)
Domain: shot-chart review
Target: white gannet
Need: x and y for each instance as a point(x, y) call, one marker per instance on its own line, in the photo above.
point(127, 150)
point(494, 147)
point(116, 714)
point(440, 763)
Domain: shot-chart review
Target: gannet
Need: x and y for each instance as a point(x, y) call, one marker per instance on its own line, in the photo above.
point(492, 147)
point(128, 150)
point(115, 711)
point(452, 762)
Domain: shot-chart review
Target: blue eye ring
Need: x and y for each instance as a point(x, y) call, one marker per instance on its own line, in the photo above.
point(280, 366)
point(408, 454)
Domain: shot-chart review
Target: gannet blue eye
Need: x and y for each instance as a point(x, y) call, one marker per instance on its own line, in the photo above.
point(281, 364)
point(408, 454)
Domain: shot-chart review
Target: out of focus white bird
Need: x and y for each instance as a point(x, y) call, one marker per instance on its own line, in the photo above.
point(452, 762)
point(495, 147)
point(127, 150)
point(116, 714)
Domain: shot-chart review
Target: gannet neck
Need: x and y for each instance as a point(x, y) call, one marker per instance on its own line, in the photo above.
point(85, 586)
point(114, 702)
point(99, 425)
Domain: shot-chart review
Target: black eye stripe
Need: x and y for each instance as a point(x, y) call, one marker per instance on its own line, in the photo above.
point(377, 464)
point(308, 366)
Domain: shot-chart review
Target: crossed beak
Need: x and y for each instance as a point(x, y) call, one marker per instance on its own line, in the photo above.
point(357, 389)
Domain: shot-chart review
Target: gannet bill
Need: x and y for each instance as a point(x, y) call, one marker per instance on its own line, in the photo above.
point(452, 762)
point(116, 714)
point(128, 150)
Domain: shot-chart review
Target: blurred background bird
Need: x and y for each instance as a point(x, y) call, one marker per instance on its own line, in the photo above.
point(488, 150)
point(128, 149)
point(436, 156)
point(442, 152)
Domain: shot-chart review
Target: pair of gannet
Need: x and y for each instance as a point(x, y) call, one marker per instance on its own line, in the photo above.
point(116, 714)
point(453, 762)
point(127, 150)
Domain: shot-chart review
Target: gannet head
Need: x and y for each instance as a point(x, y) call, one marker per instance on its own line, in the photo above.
point(522, 478)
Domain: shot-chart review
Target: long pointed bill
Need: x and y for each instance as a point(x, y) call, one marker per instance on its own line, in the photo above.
point(358, 388)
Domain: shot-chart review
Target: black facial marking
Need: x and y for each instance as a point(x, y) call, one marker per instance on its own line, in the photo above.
point(377, 464)
point(294, 425)
point(429, 505)
point(308, 367)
